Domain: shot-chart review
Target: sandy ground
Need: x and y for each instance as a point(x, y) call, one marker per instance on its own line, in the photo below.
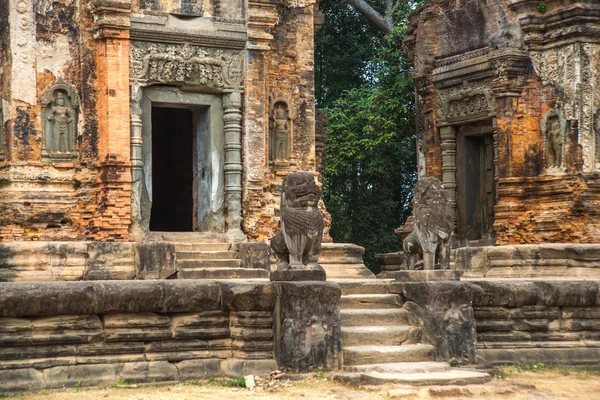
point(516, 384)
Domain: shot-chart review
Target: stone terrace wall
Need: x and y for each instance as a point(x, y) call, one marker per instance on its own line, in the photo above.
point(85, 261)
point(524, 321)
point(530, 261)
point(54, 335)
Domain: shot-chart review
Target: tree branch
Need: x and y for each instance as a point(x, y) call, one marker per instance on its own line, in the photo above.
point(377, 19)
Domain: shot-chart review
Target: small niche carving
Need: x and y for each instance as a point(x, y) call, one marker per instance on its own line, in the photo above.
point(60, 107)
point(280, 133)
point(554, 126)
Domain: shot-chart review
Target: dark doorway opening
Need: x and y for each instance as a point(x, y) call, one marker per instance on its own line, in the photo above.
point(476, 184)
point(172, 170)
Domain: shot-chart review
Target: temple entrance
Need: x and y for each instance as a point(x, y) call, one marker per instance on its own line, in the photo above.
point(182, 180)
point(476, 186)
point(172, 169)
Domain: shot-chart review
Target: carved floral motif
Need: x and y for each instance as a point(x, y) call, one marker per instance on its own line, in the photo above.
point(186, 64)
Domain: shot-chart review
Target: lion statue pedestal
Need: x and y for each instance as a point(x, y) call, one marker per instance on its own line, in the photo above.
point(298, 244)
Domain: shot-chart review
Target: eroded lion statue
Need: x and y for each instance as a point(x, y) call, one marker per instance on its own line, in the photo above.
point(298, 244)
point(433, 227)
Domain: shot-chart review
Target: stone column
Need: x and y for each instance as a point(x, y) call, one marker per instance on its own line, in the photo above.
point(448, 137)
point(232, 117)
point(136, 231)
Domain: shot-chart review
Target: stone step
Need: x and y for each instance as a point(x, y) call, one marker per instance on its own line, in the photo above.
point(206, 255)
point(357, 270)
point(370, 301)
point(223, 273)
point(451, 377)
point(377, 335)
point(360, 355)
point(192, 264)
point(401, 368)
point(186, 237)
point(381, 317)
point(363, 286)
point(183, 247)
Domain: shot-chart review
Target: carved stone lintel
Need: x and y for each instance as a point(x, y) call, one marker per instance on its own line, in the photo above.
point(185, 64)
point(467, 103)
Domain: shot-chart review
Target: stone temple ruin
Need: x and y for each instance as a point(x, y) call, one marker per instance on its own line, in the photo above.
point(143, 147)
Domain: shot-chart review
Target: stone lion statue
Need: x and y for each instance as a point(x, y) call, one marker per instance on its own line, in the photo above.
point(433, 225)
point(299, 241)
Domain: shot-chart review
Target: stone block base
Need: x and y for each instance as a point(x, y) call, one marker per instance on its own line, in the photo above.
point(551, 260)
point(298, 275)
point(561, 356)
point(56, 334)
point(344, 260)
point(86, 375)
point(422, 276)
point(308, 327)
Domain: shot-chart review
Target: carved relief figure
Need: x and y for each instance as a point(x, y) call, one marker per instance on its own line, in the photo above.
point(61, 117)
point(298, 244)
point(554, 126)
point(60, 105)
point(433, 225)
point(279, 141)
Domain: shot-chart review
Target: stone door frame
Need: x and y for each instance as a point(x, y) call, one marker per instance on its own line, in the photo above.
point(207, 110)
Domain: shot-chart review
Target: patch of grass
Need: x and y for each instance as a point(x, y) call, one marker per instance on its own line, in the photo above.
point(120, 383)
point(541, 7)
point(499, 373)
point(320, 375)
point(192, 382)
point(78, 384)
point(234, 382)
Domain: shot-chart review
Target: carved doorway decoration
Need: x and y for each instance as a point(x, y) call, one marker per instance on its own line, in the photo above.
point(208, 83)
point(183, 163)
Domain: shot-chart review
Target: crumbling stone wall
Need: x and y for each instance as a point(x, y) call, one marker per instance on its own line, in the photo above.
point(281, 64)
point(504, 70)
point(85, 46)
point(86, 196)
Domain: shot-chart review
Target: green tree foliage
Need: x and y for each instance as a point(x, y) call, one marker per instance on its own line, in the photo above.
point(371, 167)
point(344, 49)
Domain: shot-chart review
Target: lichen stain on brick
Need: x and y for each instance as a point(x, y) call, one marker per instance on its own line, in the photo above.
point(24, 131)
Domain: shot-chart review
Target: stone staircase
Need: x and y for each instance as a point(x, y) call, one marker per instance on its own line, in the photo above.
point(207, 256)
point(382, 340)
